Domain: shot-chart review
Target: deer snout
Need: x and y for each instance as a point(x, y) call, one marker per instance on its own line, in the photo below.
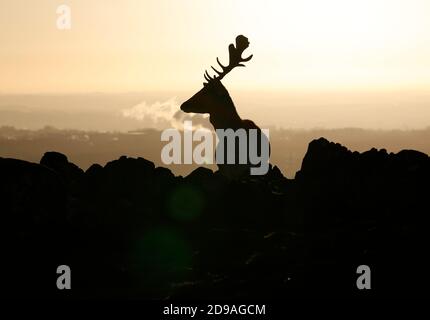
point(185, 106)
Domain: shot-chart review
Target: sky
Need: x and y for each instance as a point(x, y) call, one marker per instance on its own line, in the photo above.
point(138, 45)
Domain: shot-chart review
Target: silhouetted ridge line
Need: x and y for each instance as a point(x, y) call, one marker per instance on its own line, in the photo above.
point(151, 234)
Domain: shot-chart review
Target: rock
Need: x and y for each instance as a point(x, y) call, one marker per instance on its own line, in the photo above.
point(144, 229)
point(201, 173)
point(34, 225)
point(324, 157)
point(164, 173)
point(94, 170)
point(60, 164)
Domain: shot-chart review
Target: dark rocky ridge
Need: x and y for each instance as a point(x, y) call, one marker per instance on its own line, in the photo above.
point(129, 229)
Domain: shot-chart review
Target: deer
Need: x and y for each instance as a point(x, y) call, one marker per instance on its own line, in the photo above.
point(214, 99)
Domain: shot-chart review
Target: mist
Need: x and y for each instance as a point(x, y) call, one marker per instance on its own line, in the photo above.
point(290, 109)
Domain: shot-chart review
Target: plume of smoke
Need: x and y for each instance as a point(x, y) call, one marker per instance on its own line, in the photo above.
point(166, 114)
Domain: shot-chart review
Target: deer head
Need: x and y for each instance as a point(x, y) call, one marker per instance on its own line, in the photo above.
point(214, 98)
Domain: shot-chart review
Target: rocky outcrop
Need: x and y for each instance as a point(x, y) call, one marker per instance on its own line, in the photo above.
point(58, 162)
point(130, 229)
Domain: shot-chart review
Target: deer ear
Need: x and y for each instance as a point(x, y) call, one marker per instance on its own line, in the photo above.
point(205, 84)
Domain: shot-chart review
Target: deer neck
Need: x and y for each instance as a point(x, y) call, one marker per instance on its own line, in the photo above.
point(226, 115)
point(225, 119)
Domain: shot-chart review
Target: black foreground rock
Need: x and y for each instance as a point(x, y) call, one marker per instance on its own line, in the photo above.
point(132, 230)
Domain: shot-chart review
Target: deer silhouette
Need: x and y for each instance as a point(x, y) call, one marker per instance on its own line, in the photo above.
point(215, 100)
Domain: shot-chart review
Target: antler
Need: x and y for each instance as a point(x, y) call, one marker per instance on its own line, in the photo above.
point(235, 59)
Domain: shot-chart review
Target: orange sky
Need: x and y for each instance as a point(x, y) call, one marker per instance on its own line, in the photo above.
point(135, 45)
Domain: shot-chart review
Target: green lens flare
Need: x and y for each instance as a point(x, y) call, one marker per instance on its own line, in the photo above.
point(164, 250)
point(186, 203)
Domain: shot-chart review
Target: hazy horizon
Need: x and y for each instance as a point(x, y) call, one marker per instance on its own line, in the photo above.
point(293, 109)
point(316, 64)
